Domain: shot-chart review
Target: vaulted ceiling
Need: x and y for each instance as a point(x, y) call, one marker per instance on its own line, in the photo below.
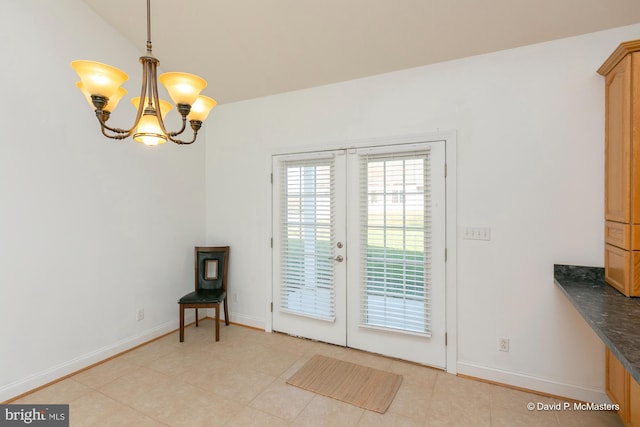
point(251, 48)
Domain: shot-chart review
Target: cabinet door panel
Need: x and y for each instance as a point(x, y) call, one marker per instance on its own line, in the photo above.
point(634, 403)
point(617, 268)
point(634, 279)
point(634, 91)
point(618, 143)
point(617, 234)
point(616, 386)
point(635, 237)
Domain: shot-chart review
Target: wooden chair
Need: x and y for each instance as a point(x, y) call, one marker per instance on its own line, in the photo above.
point(211, 266)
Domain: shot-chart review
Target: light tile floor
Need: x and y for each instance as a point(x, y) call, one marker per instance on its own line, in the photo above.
point(241, 381)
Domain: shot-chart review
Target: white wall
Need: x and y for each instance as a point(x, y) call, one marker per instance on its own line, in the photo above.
point(530, 127)
point(90, 229)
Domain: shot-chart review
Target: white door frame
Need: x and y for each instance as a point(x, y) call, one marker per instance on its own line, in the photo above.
point(450, 139)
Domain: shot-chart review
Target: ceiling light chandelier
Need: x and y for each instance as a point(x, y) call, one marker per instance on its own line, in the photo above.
point(100, 84)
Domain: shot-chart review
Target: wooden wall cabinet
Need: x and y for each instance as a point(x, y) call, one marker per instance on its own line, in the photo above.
point(622, 389)
point(622, 168)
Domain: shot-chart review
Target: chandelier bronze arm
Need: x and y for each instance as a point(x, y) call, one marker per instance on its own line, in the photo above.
point(118, 136)
point(100, 102)
point(195, 126)
point(103, 116)
point(183, 109)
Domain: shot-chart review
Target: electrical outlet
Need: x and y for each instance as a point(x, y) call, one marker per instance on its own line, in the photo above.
point(140, 314)
point(503, 344)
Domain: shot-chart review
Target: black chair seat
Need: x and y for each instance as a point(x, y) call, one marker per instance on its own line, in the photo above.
point(204, 296)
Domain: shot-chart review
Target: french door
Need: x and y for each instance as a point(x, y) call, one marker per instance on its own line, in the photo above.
point(359, 249)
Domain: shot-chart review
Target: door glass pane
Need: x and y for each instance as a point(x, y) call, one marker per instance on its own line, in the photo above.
point(395, 223)
point(307, 237)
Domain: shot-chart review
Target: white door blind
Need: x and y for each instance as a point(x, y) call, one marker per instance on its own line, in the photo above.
point(395, 234)
point(307, 212)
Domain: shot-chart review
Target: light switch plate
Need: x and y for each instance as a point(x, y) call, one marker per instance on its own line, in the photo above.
point(477, 233)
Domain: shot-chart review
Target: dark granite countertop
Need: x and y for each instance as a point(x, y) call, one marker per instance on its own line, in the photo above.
point(614, 317)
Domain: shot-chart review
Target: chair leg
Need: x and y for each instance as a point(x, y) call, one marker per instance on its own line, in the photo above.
point(226, 312)
point(181, 323)
point(196, 317)
point(217, 322)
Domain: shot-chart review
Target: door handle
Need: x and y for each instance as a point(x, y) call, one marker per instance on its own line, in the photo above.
point(339, 258)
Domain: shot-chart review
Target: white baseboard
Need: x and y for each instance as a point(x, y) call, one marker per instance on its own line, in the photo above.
point(247, 320)
point(39, 379)
point(536, 384)
point(237, 318)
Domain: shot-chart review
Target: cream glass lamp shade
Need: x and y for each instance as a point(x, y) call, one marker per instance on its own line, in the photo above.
point(183, 88)
point(165, 106)
point(99, 79)
point(113, 101)
point(86, 94)
point(201, 108)
point(148, 131)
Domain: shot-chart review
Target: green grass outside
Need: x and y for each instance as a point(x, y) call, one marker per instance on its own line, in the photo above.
point(390, 270)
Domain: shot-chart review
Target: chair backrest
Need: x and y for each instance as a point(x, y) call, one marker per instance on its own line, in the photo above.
point(211, 266)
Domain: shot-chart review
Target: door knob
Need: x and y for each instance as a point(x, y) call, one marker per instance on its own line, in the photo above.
point(339, 258)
